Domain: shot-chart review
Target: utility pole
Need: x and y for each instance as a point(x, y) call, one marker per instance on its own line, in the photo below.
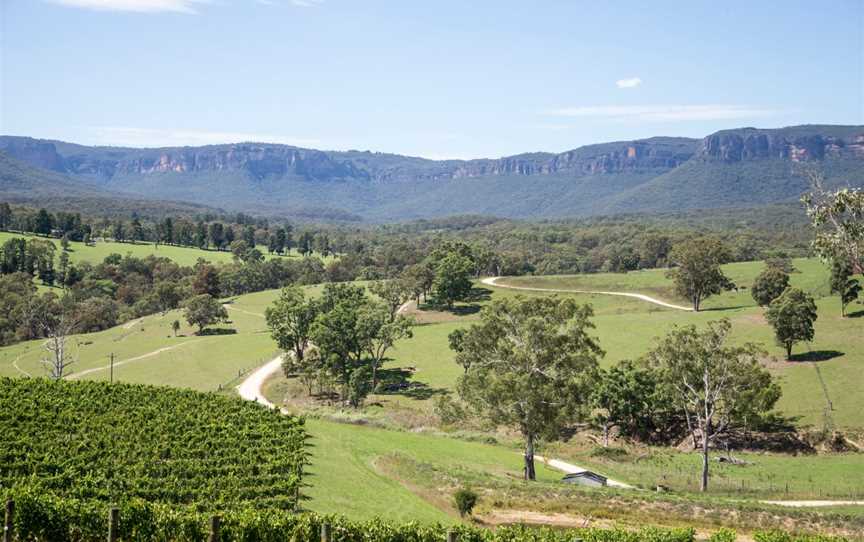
point(112, 368)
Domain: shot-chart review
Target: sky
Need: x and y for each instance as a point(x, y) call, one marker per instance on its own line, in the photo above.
point(439, 79)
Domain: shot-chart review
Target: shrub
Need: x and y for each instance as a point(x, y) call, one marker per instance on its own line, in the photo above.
point(723, 535)
point(465, 500)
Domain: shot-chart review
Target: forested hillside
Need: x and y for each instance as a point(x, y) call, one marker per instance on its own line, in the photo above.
point(731, 168)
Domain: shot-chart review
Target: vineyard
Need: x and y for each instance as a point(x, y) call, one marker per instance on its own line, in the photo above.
point(103, 443)
point(40, 517)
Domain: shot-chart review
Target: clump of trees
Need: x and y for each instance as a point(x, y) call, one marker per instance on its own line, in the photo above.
point(532, 365)
point(351, 334)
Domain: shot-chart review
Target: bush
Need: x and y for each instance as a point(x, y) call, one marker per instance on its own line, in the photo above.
point(781, 536)
point(723, 535)
point(465, 500)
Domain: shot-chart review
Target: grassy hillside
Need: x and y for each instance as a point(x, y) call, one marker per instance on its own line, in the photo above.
point(363, 470)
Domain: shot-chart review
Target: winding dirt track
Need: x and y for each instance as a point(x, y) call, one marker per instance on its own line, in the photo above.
point(492, 281)
point(75, 376)
point(250, 388)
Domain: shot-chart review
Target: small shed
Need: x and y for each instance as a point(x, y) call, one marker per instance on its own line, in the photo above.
point(585, 478)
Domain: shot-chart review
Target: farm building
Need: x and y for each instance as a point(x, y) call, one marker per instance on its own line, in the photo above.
point(585, 478)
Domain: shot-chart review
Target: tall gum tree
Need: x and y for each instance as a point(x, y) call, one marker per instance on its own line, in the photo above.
point(528, 364)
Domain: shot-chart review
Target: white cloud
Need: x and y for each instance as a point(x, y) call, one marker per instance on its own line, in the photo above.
point(307, 3)
point(664, 113)
point(148, 137)
point(140, 6)
point(631, 82)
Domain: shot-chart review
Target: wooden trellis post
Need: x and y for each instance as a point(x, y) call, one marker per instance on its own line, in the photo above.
point(7, 524)
point(113, 524)
point(214, 529)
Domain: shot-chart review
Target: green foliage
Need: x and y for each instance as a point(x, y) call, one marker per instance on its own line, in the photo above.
point(452, 279)
point(290, 320)
point(465, 500)
point(204, 310)
point(781, 536)
point(109, 443)
point(768, 286)
point(359, 385)
point(697, 274)
point(715, 385)
point(843, 284)
point(792, 315)
point(45, 517)
point(723, 535)
point(629, 396)
point(529, 361)
point(838, 220)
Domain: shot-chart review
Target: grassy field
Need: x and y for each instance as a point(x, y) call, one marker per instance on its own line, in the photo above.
point(187, 256)
point(147, 352)
point(824, 385)
point(361, 470)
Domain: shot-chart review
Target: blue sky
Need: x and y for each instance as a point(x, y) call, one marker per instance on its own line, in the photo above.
point(437, 78)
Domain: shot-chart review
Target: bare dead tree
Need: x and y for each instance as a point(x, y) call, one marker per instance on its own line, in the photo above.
point(48, 318)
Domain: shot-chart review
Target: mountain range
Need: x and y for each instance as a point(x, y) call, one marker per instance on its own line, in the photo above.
point(731, 168)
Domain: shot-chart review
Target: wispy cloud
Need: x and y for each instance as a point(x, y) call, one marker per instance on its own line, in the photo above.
point(140, 6)
point(149, 137)
point(631, 82)
point(307, 3)
point(664, 113)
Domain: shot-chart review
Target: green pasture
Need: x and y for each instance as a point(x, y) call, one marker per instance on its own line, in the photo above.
point(347, 474)
point(186, 256)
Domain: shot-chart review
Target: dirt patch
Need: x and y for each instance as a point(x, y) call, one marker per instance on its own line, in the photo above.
point(756, 318)
point(529, 517)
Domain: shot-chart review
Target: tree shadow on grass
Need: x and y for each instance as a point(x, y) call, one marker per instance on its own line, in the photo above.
point(816, 355)
point(732, 308)
point(476, 295)
point(398, 381)
point(217, 331)
point(479, 294)
point(856, 314)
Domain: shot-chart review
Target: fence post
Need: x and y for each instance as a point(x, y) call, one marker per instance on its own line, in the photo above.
point(7, 524)
point(214, 529)
point(113, 524)
point(325, 532)
point(452, 536)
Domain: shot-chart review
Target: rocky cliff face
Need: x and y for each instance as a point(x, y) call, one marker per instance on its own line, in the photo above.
point(35, 152)
point(794, 145)
point(258, 161)
point(267, 160)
